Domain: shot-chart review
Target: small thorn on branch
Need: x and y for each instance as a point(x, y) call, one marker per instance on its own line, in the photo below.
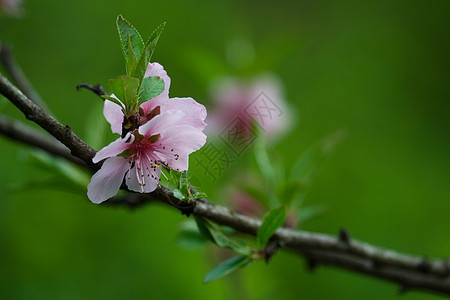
point(271, 248)
point(97, 89)
point(344, 236)
point(311, 264)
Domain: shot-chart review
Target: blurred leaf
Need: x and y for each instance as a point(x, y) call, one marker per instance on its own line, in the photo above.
point(95, 126)
point(132, 43)
point(63, 175)
point(310, 162)
point(259, 194)
point(271, 222)
point(60, 167)
point(189, 237)
point(263, 161)
point(150, 45)
point(308, 213)
point(214, 234)
point(150, 88)
point(227, 267)
point(203, 229)
point(126, 89)
point(286, 191)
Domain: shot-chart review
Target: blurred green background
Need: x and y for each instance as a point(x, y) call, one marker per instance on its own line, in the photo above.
point(379, 69)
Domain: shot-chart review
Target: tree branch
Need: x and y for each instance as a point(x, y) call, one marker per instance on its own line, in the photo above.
point(33, 112)
point(411, 272)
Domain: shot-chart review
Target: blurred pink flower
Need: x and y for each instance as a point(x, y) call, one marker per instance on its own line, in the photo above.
point(11, 7)
point(239, 104)
point(170, 129)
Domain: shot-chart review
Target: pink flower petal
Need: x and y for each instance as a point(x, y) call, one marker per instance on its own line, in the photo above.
point(161, 122)
point(106, 182)
point(114, 115)
point(150, 183)
point(178, 143)
point(115, 148)
point(195, 113)
point(155, 69)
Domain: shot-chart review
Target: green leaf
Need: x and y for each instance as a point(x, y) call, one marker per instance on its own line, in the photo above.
point(227, 267)
point(260, 194)
point(126, 89)
point(287, 191)
point(150, 88)
point(95, 127)
point(198, 195)
point(144, 59)
point(132, 43)
point(272, 221)
point(178, 194)
point(184, 183)
point(214, 234)
point(112, 99)
point(203, 229)
point(263, 161)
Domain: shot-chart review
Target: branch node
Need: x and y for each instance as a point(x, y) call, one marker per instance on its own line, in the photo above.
point(311, 264)
point(424, 266)
point(344, 236)
point(271, 248)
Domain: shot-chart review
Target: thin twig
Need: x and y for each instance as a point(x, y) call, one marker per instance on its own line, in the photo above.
point(411, 272)
point(96, 89)
point(33, 112)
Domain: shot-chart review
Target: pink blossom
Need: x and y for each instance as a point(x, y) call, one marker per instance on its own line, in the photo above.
point(170, 130)
point(11, 7)
point(240, 103)
point(195, 113)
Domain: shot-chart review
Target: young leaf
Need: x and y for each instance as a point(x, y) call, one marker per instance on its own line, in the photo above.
point(227, 267)
point(197, 195)
point(132, 42)
point(144, 59)
point(214, 234)
point(203, 229)
point(150, 88)
point(184, 183)
point(178, 194)
point(126, 89)
point(272, 221)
